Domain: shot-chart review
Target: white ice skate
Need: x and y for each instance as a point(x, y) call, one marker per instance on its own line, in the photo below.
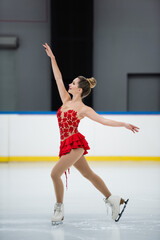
point(58, 214)
point(114, 202)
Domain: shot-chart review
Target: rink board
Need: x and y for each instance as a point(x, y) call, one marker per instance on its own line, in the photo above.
point(34, 136)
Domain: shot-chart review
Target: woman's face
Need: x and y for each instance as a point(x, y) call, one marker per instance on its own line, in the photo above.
point(73, 87)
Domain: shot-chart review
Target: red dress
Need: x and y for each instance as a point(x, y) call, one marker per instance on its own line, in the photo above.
point(70, 137)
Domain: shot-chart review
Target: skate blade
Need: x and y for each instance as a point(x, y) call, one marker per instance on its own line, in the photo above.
point(120, 214)
point(54, 223)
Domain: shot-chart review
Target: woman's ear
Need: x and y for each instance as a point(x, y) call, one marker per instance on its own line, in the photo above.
point(80, 90)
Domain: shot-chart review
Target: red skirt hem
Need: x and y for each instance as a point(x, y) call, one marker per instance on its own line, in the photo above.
point(76, 140)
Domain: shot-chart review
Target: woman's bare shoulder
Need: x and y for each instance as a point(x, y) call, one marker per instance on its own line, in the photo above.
point(84, 109)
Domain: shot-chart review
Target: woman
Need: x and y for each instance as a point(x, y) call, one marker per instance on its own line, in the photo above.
point(73, 145)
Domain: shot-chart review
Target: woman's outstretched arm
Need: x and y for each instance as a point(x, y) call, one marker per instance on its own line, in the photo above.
point(57, 75)
point(90, 113)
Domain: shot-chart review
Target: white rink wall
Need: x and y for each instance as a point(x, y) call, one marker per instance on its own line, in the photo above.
point(38, 135)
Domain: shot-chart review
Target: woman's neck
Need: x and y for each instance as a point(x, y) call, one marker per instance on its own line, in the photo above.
point(76, 99)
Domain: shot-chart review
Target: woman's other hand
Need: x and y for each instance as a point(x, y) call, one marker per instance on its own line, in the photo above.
point(48, 50)
point(131, 127)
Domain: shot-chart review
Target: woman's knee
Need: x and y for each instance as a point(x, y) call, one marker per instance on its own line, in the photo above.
point(54, 175)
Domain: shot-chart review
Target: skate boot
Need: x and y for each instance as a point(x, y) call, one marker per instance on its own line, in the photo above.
point(114, 202)
point(58, 214)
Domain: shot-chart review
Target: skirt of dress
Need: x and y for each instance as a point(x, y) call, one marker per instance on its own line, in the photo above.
point(76, 140)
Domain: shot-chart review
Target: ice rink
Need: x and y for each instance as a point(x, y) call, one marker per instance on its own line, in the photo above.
point(27, 200)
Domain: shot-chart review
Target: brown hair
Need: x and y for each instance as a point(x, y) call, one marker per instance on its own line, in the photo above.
point(86, 84)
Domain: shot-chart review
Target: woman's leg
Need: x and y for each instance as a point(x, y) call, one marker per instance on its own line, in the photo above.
point(86, 171)
point(61, 166)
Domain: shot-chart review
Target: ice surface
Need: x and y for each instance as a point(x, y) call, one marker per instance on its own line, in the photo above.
point(27, 199)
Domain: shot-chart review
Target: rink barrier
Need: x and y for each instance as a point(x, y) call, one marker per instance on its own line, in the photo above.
point(88, 158)
point(143, 147)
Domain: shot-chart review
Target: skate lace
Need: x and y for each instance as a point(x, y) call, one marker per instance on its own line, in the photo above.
point(57, 209)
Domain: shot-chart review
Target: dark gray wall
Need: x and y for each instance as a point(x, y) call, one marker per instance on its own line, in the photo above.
point(25, 72)
point(126, 40)
point(126, 44)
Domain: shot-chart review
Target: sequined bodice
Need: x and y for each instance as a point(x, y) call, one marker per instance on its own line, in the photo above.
point(68, 122)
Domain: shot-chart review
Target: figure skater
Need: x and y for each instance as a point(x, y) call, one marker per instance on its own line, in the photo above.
point(73, 145)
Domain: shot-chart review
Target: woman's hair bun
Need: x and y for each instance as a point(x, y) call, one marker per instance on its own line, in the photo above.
point(92, 81)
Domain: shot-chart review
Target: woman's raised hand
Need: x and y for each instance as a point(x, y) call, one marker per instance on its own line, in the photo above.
point(131, 127)
point(48, 50)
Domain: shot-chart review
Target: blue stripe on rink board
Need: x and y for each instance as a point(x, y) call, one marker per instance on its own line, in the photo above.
point(130, 113)
point(99, 112)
